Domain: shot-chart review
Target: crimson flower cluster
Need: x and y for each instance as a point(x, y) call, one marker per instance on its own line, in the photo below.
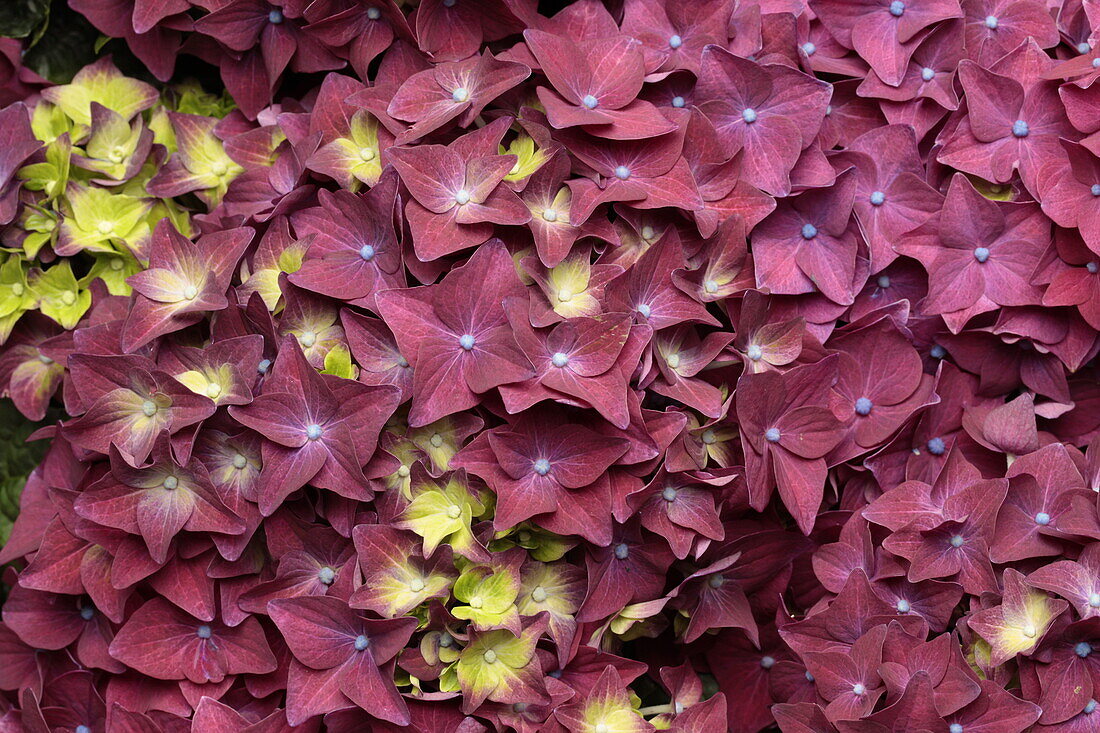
point(654, 365)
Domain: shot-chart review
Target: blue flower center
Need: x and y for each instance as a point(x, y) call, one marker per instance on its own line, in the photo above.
point(366, 252)
point(808, 48)
point(1042, 519)
point(1083, 649)
point(957, 541)
point(622, 172)
point(669, 494)
point(927, 73)
point(263, 366)
point(678, 101)
point(897, 8)
point(883, 281)
point(936, 446)
point(1083, 47)
point(82, 729)
point(87, 612)
point(313, 431)
point(767, 662)
point(772, 435)
point(858, 688)
point(466, 341)
point(903, 606)
point(809, 231)
point(590, 101)
point(863, 406)
point(991, 22)
point(203, 632)
point(361, 643)
point(374, 13)
point(275, 17)
point(460, 95)
point(622, 550)
point(675, 42)
point(1093, 267)
point(1020, 128)
point(981, 254)
point(1090, 707)
point(542, 467)
point(1095, 189)
point(559, 359)
point(938, 352)
point(749, 115)
point(878, 198)
point(326, 575)
point(645, 310)
point(955, 728)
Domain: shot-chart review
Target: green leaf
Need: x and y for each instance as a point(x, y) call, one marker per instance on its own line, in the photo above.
point(20, 18)
point(69, 45)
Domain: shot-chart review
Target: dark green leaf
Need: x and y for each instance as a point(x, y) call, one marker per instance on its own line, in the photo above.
point(20, 18)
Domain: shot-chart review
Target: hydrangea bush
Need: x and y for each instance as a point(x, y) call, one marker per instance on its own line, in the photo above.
point(476, 365)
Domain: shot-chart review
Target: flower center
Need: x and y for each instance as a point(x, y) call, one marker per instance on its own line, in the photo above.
point(772, 435)
point(213, 390)
point(549, 215)
point(171, 483)
point(622, 550)
point(1095, 190)
point(403, 471)
point(590, 102)
point(1090, 707)
point(1083, 649)
point(936, 446)
point(374, 13)
point(937, 351)
point(453, 511)
point(991, 22)
point(87, 612)
point(927, 73)
point(675, 42)
point(462, 197)
point(809, 231)
point(645, 310)
point(669, 494)
point(436, 440)
point(45, 359)
point(1094, 600)
point(313, 432)
point(219, 169)
point(559, 359)
point(466, 341)
point(622, 172)
point(957, 541)
point(1042, 519)
point(897, 8)
point(105, 227)
point(754, 352)
point(416, 585)
point(648, 233)
point(489, 656)
point(709, 437)
point(239, 461)
point(366, 252)
point(203, 632)
point(1020, 128)
point(677, 101)
point(884, 281)
point(538, 595)
point(361, 642)
point(275, 17)
point(710, 286)
point(716, 580)
point(673, 361)
point(460, 94)
point(858, 688)
point(263, 366)
point(68, 297)
point(565, 295)
point(366, 154)
point(748, 115)
point(809, 48)
point(17, 289)
point(955, 728)
point(878, 198)
point(1030, 631)
point(863, 406)
point(326, 575)
point(307, 339)
point(149, 408)
point(542, 467)
point(903, 606)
